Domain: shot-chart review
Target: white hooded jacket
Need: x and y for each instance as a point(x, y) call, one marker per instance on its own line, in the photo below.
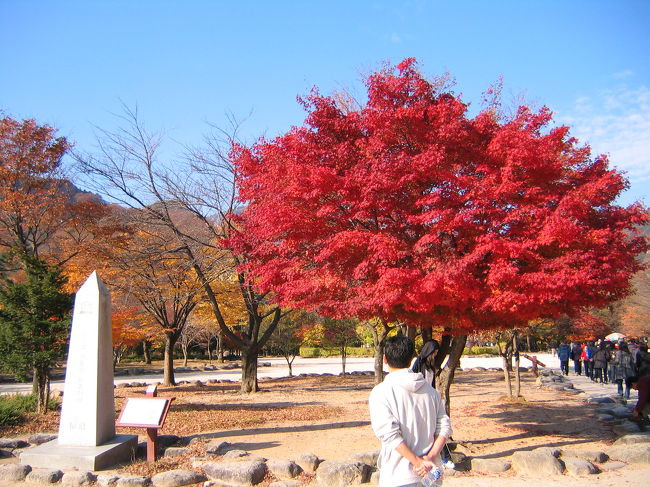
point(405, 408)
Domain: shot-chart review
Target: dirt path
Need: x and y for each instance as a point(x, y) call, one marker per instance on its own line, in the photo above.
point(328, 416)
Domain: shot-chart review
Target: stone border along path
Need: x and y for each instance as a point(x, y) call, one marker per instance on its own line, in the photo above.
point(224, 465)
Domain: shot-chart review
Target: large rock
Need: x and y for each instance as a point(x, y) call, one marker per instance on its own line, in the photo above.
point(594, 456)
point(342, 474)
point(286, 483)
point(367, 457)
point(76, 479)
point(485, 465)
point(237, 473)
point(600, 400)
point(234, 454)
point(176, 451)
point(551, 450)
point(537, 463)
point(621, 412)
point(626, 428)
point(133, 481)
point(107, 480)
point(284, 469)
point(308, 462)
point(44, 476)
point(578, 466)
point(40, 438)
point(177, 478)
point(218, 447)
point(14, 472)
point(632, 453)
point(11, 443)
point(633, 439)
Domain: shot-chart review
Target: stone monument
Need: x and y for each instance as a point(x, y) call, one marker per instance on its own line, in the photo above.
point(87, 438)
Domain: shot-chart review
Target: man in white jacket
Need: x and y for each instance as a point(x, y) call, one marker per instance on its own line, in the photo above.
point(408, 417)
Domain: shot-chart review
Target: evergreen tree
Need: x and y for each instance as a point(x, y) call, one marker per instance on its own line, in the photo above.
point(34, 323)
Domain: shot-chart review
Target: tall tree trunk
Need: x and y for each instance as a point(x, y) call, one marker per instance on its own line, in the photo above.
point(168, 366)
point(506, 375)
point(411, 331)
point(146, 351)
point(515, 354)
point(343, 356)
point(184, 347)
point(249, 370)
point(42, 380)
point(289, 358)
point(446, 375)
point(380, 331)
point(34, 381)
point(116, 355)
point(209, 351)
point(220, 346)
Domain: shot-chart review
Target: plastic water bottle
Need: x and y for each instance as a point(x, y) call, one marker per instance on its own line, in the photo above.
point(448, 464)
point(432, 478)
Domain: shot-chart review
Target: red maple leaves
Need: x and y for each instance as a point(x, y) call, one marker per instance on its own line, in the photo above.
point(411, 209)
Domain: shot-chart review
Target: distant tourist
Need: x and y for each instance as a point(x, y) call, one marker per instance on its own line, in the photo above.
point(624, 368)
point(641, 411)
point(564, 353)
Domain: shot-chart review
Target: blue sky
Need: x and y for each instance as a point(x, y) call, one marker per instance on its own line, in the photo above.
point(185, 63)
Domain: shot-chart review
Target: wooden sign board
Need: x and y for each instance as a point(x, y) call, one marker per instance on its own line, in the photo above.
point(144, 412)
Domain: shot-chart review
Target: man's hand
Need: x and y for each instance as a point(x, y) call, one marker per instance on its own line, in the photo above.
point(421, 466)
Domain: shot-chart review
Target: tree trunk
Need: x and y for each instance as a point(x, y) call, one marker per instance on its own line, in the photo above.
point(411, 331)
point(379, 340)
point(515, 354)
point(116, 355)
point(146, 351)
point(220, 352)
point(42, 381)
point(34, 381)
point(379, 362)
point(184, 347)
point(168, 366)
point(446, 375)
point(290, 364)
point(506, 375)
point(343, 356)
point(249, 370)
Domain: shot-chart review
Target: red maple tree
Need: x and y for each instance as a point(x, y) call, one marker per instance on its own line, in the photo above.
point(409, 209)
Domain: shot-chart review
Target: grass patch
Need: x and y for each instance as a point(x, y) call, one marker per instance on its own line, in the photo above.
point(15, 408)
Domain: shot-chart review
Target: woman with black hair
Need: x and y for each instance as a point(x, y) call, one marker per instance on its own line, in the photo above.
point(425, 363)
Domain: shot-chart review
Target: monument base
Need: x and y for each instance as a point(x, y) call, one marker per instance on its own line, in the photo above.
point(52, 455)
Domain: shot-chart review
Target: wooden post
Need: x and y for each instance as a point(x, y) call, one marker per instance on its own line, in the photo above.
point(147, 412)
point(152, 433)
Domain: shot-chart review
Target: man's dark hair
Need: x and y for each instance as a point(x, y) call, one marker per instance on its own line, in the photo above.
point(631, 380)
point(399, 351)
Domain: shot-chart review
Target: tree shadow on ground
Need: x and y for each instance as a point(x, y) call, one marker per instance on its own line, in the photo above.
point(266, 406)
point(280, 429)
point(553, 424)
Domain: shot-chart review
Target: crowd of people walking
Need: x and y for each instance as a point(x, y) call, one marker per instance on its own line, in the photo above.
point(606, 362)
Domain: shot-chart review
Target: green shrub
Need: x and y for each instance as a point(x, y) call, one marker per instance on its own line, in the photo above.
point(310, 352)
point(480, 351)
point(13, 407)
